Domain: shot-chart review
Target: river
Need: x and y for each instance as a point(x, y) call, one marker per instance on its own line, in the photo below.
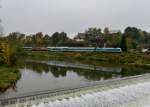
point(40, 76)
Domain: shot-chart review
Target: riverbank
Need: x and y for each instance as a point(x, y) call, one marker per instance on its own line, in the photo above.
point(8, 77)
point(125, 59)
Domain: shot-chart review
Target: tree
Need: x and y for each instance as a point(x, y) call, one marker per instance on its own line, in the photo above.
point(62, 38)
point(46, 40)
point(136, 35)
point(39, 39)
point(106, 31)
point(123, 44)
point(58, 39)
point(91, 34)
point(116, 39)
point(28, 41)
point(55, 38)
point(16, 38)
point(4, 53)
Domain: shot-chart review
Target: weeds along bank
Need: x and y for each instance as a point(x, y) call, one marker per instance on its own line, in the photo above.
point(8, 77)
point(129, 59)
point(8, 74)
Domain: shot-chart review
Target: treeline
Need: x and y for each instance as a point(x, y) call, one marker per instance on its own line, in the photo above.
point(131, 38)
point(39, 39)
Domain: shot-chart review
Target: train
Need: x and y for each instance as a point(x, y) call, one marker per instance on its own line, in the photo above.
point(74, 49)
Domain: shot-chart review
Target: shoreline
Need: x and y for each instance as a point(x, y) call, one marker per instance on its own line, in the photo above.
point(96, 58)
point(9, 76)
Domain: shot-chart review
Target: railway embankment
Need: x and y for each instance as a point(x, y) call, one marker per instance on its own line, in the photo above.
point(96, 58)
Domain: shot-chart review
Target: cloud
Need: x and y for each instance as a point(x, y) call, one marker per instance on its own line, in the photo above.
point(73, 16)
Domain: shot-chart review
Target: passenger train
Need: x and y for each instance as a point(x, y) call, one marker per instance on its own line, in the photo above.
point(74, 49)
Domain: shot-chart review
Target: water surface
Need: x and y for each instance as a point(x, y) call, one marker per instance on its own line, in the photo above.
point(51, 75)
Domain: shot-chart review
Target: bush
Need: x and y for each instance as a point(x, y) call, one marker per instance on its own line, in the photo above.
point(8, 77)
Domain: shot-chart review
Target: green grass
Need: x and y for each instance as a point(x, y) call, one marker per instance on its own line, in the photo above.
point(8, 77)
point(129, 59)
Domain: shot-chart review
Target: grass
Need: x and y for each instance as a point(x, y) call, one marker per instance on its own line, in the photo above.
point(129, 59)
point(8, 77)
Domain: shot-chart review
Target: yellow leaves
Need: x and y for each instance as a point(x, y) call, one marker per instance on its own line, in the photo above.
point(4, 53)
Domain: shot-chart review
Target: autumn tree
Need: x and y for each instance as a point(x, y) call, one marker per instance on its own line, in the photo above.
point(4, 53)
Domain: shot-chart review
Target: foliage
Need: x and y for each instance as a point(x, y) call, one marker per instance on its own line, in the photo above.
point(130, 59)
point(123, 44)
point(9, 53)
point(8, 77)
point(58, 39)
point(4, 53)
point(93, 36)
point(135, 39)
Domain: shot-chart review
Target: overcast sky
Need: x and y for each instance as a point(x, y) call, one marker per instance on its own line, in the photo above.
point(73, 16)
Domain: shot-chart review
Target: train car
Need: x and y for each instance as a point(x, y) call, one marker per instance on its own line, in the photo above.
point(57, 49)
point(39, 49)
point(27, 48)
point(74, 49)
point(71, 49)
point(113, 50)
point(81, 49)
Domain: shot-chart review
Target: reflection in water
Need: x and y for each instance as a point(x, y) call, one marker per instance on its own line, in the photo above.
point(83, 66)
point(90, 72)
point(62, 71)
point(129, 71)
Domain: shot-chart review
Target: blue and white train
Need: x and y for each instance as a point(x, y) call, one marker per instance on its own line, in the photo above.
point(83, 49)
point(74, 49)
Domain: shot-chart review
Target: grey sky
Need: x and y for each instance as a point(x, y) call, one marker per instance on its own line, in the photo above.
point(73, 16)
